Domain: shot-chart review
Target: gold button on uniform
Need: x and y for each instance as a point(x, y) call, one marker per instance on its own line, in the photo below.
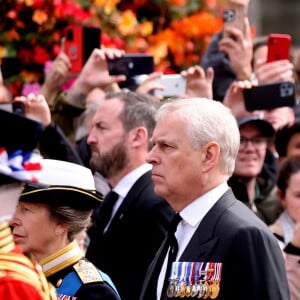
point(58, 283)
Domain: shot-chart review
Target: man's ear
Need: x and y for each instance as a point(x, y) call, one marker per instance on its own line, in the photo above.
point(139, 136)
point(210, 156)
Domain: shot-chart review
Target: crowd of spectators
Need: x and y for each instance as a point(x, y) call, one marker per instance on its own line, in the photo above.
point(121, 135)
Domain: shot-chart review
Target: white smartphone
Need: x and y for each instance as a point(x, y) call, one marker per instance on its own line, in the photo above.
point(174, 85)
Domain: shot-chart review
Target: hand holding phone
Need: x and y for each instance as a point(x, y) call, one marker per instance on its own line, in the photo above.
point(79, 43)
point(173, 84)
point(278, 47)
point(233, 18)
point(270, 96)
point(131, 64)
point(17, 107)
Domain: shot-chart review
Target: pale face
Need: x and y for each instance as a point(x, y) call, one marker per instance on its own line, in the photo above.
point(293, 147)
point(250, 158)
point(107, 139)
point(175, 163)
point(291, 199)
point(33, 230)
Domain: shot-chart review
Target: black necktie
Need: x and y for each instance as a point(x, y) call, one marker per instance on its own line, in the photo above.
point(106, 208)
point(149, 288)
point(172, 248)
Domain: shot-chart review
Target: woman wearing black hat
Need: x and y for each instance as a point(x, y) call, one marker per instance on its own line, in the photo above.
point(46, 223)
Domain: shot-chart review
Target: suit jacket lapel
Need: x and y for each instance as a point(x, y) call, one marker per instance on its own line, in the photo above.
point(203, 241)
point(151, 278)
point(199, 248)
point(130, 198)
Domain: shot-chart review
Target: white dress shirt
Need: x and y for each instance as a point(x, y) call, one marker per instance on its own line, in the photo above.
point(191, 215)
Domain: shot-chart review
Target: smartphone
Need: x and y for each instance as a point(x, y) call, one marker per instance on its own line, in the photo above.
point(233, 18)
point(131, 64)
point(10, 66)
point(270, 96)
point(16, 107)
point(80, 41)
point(174, 85)
point(278, 46)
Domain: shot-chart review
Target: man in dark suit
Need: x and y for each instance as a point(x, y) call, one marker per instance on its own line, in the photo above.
point(224, 250)
point(119, 141)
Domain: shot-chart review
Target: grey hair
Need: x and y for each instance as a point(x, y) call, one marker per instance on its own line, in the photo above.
point(207, 120)
point(139, 110)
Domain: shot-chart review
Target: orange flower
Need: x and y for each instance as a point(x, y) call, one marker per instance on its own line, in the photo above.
point(26, 2)
point(39, 16)
point(138, 45)
point(198, 25)
point(159, 51)
point(12, 35)
point(127, 23)
point(29, 76)
point(146, 28)
point(3, 51)
point(108, 5)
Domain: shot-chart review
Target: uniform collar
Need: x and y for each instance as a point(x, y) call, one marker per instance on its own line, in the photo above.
point(61, 259)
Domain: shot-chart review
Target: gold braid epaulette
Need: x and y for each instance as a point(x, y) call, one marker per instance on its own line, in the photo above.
point(6, 238)
point(21, 268)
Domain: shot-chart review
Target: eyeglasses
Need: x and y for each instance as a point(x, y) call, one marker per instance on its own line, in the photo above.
point(257, 141)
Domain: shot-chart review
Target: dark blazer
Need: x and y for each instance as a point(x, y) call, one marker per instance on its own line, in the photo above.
point(253, 267)
point(135, 234)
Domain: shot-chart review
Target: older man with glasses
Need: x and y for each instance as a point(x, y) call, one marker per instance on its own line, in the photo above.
point(247, 182)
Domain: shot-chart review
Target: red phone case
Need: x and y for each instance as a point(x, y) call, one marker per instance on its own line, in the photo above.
point(73, 47)
point(278, 47)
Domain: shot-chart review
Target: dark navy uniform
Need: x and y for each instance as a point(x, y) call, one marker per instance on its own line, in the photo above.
point(76, 278)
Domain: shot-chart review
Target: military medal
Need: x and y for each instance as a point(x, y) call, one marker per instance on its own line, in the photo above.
point(215, 282)
point(200, 290)
point(172, 279)
point(195, 279)
point(171, 290)
point(189, 278)
point(188, 291)
point(177, 290)
point(194, 287)
point(214, 290)
point(179, 277)
point(194, 290)
point(206, 290)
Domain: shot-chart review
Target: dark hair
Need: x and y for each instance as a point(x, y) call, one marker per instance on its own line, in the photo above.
point(283, 137)
point(257, 43)
point(289, 167)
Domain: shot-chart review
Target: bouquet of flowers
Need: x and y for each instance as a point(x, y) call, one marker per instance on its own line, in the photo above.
point(175, 32)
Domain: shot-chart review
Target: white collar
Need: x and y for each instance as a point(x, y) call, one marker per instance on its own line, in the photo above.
point(126, 183)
